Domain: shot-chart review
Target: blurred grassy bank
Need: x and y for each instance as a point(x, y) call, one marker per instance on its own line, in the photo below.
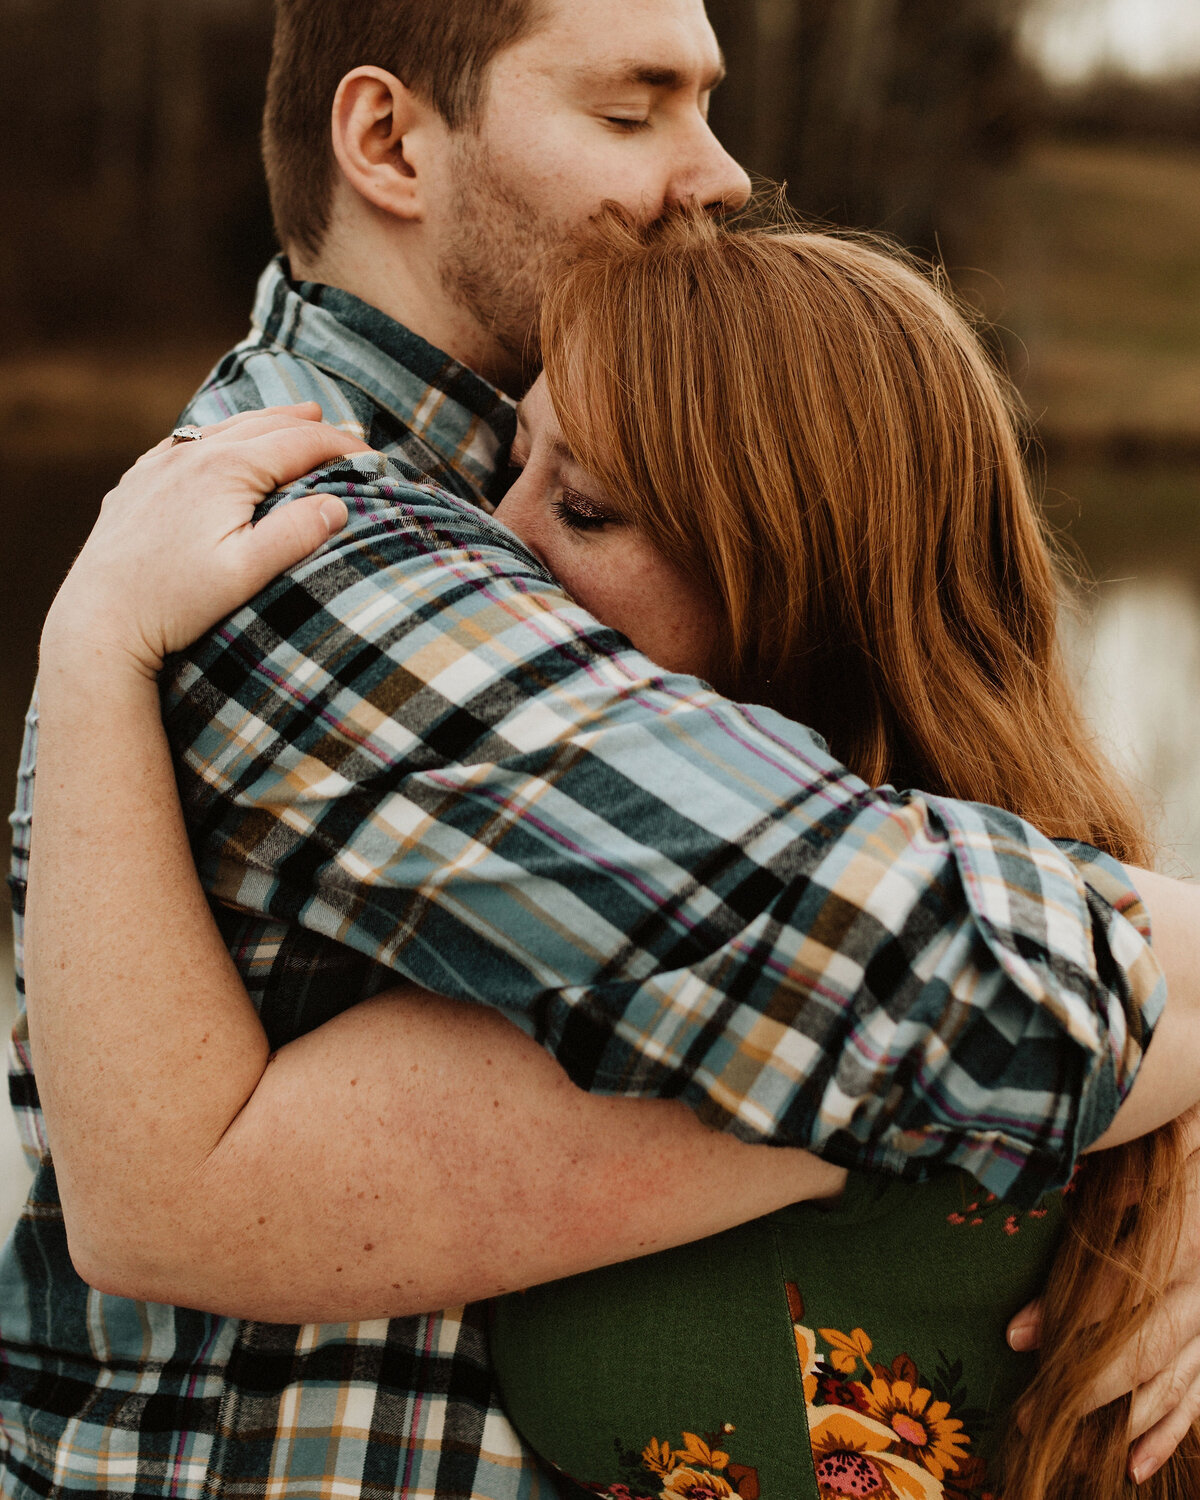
point(1096, 282)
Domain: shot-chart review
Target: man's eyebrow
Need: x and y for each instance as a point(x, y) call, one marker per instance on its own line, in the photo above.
point(654, 76)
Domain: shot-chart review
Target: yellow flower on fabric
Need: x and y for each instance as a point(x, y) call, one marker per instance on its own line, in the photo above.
point(696, 1451)
point(848, 1350)
point(658, 1457)
point(806, 1349)
point(853, 1455)
point(924, 1428)
point(690, 1484)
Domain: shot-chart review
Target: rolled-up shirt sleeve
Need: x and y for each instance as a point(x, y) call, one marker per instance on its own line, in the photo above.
point(415, 744)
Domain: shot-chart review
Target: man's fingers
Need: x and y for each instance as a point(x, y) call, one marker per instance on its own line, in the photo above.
point(1025, 1330)
point(1162, 1367)
point(1157, 1444)
point(1166, 1391)
point(288, 535)
point(1167, 1335)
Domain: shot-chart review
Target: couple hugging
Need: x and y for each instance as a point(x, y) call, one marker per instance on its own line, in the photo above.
point(461, 746)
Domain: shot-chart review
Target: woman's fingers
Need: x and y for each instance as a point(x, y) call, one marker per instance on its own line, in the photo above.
point(249, 424)
point(266, 417)
point(174, 549)
point(287, 536)
point(278, 457)
point(254, 455)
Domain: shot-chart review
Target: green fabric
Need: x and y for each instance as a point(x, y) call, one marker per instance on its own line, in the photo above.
point(918, 1281)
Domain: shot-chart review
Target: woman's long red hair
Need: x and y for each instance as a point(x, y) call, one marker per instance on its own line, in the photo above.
point(809, 427)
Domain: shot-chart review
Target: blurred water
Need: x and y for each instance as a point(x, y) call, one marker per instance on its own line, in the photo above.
point(1075, 39)
point(1138, 656)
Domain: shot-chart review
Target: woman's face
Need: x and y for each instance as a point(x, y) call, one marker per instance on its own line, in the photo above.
point(609, 566)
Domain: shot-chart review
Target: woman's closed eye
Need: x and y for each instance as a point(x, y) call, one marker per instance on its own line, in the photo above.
point(579, 513)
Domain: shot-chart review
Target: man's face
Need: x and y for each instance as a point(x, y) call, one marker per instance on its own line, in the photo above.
point(607, 101)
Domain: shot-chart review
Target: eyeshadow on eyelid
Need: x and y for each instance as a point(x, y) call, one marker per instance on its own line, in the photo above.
point(584, 503)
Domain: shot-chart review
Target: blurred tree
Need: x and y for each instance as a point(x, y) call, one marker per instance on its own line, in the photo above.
point(132, 143)
point(183, 130)
point(134, 172)
point(879, 113)
point(121, 74)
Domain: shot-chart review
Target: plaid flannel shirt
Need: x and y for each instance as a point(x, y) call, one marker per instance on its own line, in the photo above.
point(414, 755)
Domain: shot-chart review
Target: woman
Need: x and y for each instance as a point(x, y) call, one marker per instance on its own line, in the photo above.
point(838, 526)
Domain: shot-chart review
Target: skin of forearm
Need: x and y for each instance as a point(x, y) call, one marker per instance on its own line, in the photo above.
point(1168, 1081)
point(410, 1155)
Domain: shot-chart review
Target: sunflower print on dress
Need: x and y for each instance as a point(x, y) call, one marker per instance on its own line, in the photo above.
point(881, 1432)
point(702, 1469)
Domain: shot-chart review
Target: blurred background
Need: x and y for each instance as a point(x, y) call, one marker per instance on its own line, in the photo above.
point(1046, 152)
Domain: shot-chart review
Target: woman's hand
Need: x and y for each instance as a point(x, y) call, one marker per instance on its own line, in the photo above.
point(174, 549)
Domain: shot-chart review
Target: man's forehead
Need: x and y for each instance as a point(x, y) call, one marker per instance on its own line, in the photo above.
point(654, 43)
point(663, 74)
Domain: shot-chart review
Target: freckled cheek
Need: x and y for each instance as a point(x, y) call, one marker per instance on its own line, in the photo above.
point(661, 616)
point(602, 591)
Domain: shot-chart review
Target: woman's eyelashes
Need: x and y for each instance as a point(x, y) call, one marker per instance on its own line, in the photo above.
point(578, 513)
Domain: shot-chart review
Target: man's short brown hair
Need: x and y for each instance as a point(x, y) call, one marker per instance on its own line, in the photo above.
point(441, 49)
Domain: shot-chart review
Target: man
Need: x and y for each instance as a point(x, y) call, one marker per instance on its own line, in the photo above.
point(790, 964)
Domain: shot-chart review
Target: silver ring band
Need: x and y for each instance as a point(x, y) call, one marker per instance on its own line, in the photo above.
point(186, 435)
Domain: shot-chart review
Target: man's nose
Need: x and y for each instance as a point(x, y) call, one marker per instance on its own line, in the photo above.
point(712, 177)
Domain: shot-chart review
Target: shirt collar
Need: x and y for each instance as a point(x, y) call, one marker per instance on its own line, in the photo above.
point(464, 419)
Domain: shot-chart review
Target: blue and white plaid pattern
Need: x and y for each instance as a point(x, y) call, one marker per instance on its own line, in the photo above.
point(413, 755)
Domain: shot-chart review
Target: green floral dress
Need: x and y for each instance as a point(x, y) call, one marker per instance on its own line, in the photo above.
point(855, 1350)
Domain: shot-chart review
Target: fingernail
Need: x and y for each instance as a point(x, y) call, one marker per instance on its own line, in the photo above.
point(1021, 1337)
point(334, 516)
point(1142, 1470)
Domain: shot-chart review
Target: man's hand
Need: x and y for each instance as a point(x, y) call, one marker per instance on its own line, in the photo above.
point(174, 549)
point(1161, 1364)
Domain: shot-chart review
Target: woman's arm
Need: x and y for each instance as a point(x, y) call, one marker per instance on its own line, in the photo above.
point(409, 1155)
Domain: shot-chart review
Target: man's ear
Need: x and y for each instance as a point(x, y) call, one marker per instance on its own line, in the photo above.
point(378, 132)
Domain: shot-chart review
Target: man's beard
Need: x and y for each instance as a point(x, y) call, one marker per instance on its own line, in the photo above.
point(495, 262)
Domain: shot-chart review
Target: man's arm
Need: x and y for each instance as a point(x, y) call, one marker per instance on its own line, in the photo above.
point(410, 1154)
point(417, 746)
